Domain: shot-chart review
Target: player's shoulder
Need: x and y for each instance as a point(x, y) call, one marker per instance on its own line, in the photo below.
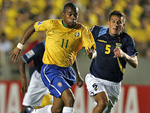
point(125, 35)
point(49, 21)
point(99, 30)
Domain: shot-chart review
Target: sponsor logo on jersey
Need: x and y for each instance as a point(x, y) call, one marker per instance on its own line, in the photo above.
point(30, 53)
point(95, 86)
point(40, 22)
point(76, 34)
point(59, 84)
point(118, 45)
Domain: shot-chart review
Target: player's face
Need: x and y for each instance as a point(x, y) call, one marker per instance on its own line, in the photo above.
point(116, 25)
point(70, 17)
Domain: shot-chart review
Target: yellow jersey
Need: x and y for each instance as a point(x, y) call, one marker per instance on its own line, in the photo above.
point(62, 44)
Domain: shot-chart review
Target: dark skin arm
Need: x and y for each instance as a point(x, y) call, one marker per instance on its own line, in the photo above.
point(24, 84)
point(79, 79)
point(16, 51)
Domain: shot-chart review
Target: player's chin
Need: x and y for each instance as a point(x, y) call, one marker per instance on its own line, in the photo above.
point(72, 24)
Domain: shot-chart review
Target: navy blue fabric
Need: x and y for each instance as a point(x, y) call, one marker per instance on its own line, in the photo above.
point(35, 54)
point(104, 66)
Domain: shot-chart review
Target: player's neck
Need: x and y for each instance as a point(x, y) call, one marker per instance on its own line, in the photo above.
point(64, 24)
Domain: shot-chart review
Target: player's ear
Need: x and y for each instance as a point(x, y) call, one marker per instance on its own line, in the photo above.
point(63, 14)
point(123, 26)
point(108, 23)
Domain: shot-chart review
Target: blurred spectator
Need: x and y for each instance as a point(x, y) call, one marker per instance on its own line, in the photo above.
point(5, 45)
point(16, 15)
point(5, 48)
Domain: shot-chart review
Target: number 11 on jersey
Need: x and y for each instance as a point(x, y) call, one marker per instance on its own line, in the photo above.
point(66, 44)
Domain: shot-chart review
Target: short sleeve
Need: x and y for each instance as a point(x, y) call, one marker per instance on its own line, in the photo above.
point(42, 25)
point(31, 54)
point(130, 47)
point(87, 39)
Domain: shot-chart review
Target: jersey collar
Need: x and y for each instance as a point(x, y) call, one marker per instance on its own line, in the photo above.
point(64, 24)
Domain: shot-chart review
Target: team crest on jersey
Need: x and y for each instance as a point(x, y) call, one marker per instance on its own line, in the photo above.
point(118, 45)
point(40, 22)
point(59, 84)
point(95, 86)
point(30, 53)
point(76, 34)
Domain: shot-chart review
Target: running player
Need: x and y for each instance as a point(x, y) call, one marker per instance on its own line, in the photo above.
point(36, 95)
point(65, 37)
point(114, 49)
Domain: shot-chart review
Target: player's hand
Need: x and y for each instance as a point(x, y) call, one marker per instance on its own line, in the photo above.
point(118, 53)
point(14, 54)
point(89, 53)
point(24, 85)
point(79, 81)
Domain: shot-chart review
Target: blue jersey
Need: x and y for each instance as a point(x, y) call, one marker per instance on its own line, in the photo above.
point(104, 66)
point(35, 54)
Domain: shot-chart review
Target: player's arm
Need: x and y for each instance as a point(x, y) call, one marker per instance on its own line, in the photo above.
point(79, 79)
point(91, 53)
point(132, 60)
point(16, 51)
point(24, 84)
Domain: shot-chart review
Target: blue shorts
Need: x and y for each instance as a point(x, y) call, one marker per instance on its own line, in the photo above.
point(57, 79)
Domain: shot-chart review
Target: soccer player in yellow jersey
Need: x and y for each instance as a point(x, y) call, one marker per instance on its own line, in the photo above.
point(65, 37)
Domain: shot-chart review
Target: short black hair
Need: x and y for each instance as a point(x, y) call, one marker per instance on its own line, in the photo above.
point(119, 14)
point(69, 5)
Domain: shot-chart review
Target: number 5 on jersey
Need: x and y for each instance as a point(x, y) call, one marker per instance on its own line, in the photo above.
point(107, 49)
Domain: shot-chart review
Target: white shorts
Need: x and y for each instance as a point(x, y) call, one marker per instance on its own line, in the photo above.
point(36, 91)
point(97, 85)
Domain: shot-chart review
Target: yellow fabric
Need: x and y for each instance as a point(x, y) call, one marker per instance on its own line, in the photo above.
point(62, 44)
point(45, 101)
point(120, 66)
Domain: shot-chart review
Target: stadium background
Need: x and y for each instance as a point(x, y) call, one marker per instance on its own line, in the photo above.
point(17, 15)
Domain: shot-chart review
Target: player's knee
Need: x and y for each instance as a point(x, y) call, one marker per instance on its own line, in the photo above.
point(58, 110)
point(102, 103)
point(69, 101)
point(68, 98)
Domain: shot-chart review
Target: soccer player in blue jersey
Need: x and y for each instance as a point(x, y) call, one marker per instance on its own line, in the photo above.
point(114, 49)
point(65, 37)
point(36, 94)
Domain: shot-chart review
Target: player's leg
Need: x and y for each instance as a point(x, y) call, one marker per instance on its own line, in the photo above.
point(97, 91)
point(46, 100)
point(68, 99)
point(102, 102)
point(109, 107)
point(113, 90)
point(53, 78)
point(23, 110)
point(55, 108)
point(37, 94)
point(58, 105)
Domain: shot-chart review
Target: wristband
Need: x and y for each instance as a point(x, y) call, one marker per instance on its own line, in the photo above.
point(20, 46)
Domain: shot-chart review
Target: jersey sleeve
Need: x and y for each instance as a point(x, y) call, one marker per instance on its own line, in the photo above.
point(130, 47)
point(95, 31)
point(42, 25)
point(87, 39)
point(31, 54)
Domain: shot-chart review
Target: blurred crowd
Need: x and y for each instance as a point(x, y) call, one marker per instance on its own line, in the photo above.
point(17, 15)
